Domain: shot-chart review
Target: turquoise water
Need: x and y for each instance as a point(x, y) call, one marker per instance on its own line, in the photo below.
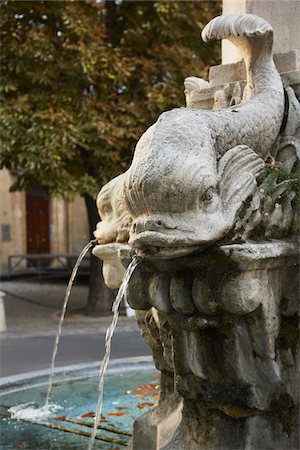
point(126, 396)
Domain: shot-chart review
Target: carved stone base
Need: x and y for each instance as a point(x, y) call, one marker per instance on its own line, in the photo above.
point(228, 330)
point(155, 428)
point(211, 429)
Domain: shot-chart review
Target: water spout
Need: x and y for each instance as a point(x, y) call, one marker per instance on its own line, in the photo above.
point(63, 312)
point(108, 338)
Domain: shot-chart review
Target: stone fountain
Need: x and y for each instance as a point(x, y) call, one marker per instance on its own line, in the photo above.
point(209, 206)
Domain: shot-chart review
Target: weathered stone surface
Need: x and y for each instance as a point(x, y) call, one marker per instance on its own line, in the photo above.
point(113, 231)
point(206, 428)
point(112, 269)
point(235, 363)
point(227, 73)
point(193, 180)
point(156, 428)
point(205, 206)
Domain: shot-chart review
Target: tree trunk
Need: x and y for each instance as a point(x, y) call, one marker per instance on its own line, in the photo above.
point(98, 292)
point(97, 289)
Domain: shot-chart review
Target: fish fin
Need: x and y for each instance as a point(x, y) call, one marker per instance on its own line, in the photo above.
point(238, 170)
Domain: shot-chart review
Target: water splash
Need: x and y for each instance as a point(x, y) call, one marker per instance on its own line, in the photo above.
point(30, 411)
point(62, 316)
point(109, 334)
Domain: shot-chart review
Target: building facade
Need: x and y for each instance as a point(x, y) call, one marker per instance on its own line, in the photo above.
point(31, 223)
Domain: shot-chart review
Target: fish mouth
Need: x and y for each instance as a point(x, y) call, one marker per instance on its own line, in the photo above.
point(105, 251)
point(154, 245)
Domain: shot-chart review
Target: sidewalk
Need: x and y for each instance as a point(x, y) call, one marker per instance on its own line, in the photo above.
point(33, 308)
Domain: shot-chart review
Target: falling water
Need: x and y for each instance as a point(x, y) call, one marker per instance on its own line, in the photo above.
point(109, 334)
point(63, 312)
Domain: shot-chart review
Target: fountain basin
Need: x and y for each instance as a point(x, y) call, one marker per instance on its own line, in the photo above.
point(131, 388)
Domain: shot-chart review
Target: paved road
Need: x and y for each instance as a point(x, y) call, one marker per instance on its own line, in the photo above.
point(27, 354)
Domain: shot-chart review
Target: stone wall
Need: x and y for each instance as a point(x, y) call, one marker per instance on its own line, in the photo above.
point(12, 219)
point(68, 231)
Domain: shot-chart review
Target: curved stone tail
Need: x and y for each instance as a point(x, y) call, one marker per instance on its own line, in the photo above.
point(254, 38)
point(241, 26)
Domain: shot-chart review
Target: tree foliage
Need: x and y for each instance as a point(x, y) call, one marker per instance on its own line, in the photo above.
point(82, 80)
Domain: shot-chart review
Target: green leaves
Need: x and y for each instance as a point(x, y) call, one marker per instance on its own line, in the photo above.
point(81, 81)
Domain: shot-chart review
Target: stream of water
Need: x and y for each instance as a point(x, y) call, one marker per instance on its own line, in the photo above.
point(108, 338)
point(62, 316)
point(28, 411)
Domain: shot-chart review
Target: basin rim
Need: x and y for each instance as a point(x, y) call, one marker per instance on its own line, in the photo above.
point(27, 380)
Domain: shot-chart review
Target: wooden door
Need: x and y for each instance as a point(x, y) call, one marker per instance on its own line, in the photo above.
point(37, 222)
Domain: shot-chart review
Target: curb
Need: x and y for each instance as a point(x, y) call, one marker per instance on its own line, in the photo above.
point(36, 378)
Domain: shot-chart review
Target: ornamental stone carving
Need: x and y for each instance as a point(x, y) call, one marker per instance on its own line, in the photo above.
point(210, 205)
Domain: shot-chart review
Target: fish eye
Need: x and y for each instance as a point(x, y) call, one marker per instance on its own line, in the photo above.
point(208, 195)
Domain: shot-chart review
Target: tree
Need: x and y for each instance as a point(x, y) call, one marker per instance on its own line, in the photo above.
point(82, 80)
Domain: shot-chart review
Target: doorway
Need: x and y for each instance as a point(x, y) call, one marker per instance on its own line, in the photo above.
point(37, 222)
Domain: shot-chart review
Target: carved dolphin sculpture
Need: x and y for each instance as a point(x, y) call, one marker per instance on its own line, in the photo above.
point(193, 170)
point(112, 231)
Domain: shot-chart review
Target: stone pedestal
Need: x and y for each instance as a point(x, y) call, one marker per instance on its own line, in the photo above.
point(214, 430)
point(230, 318)
point(154, 429)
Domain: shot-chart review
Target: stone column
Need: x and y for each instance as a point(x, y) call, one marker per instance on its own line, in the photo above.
point(12, 220)
point(78, 227)
point(283, 15)
point(58, 226)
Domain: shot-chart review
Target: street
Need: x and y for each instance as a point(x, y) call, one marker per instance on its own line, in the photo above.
point(27, 354)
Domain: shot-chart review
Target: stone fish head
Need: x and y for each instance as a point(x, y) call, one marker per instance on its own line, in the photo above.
point(113, 231)
point(115, 218)
point(181, 194)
